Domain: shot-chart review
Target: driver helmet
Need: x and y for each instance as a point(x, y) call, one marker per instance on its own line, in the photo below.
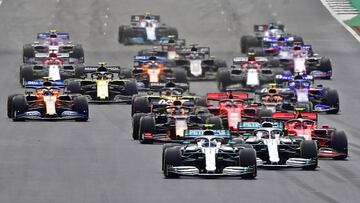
point(251, 56)
point(147, 16)
point(47, 91)
point(168, 93)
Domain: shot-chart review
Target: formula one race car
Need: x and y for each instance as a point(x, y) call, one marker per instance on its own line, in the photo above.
point(301, 58)
point(266, 34)
point(299, 91)
point(234, 107)
point(152, 74)
point(165, 97)
point(47, 103)
point(107, 84)
point(331, 142)
point(247, 74)
point(276, 150)
point(198, 63)
point(167, 52)
point(54, 67)
point(52, 42)
point(145, 29)
point(167, 124)
point(206, 155)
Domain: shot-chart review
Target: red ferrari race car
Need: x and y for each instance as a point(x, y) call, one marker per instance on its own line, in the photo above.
point(331, 142)
point(234, 107)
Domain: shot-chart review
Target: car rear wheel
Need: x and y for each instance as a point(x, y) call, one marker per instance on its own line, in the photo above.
point(27, 74)
point(332, 99)
point(216, 122)
point(73, 87)
point(136, 125)
point(131, 88)
point(140, 105)
point(223, 79)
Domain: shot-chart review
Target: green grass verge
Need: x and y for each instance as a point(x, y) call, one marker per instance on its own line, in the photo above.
point(355, 21)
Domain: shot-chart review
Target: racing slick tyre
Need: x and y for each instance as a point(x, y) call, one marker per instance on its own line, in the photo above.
point(73, 87)
point(136, 125)
point(26, 74)
point(247, 158)
point(180, 76)
point(126, 73)
point(223, 79)
point(258, 51)
point(78, 53)
point(81, 106)
point(201, 102)
point(216, 122)
point(308, 150)
point(28, 52)
point(265, 114)
point(172, 157)
point(164, 147)
point(298, 39)
point(10, 109)
point(80, 72)
point(140, 105)
point(147, 125)
point(332, 99)
point(19, 105)
point(247, 42)
point(131, 88)
point(325, 66)
point(220, 63)
point(121, 33)
point(339, 143)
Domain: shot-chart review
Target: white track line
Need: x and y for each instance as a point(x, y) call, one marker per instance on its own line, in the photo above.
point(352, 32)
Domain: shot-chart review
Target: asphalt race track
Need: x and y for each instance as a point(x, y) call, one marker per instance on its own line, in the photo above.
point(98, 162)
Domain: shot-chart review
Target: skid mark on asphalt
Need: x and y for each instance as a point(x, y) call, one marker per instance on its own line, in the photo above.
point(297, 181)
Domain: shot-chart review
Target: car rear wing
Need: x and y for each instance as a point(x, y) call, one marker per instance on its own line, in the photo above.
point(112, 69)
point(46, 35)
point(200, 50)
point(177, 42)
point(137, 18)
point(263, 28)
point(201, 133)
point(217, 96)
point(255, 125)
point(144, 58)
point(290, 115)
point(241, 60)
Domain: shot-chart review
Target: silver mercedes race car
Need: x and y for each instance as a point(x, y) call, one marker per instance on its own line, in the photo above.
point(206, 155)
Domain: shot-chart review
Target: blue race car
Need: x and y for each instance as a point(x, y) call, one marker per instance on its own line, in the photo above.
point(299, 91)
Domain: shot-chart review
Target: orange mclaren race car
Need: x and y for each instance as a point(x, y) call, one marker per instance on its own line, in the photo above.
point(47, 103)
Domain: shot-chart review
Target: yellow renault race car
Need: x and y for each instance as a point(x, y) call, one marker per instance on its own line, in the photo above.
point(107, 84)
